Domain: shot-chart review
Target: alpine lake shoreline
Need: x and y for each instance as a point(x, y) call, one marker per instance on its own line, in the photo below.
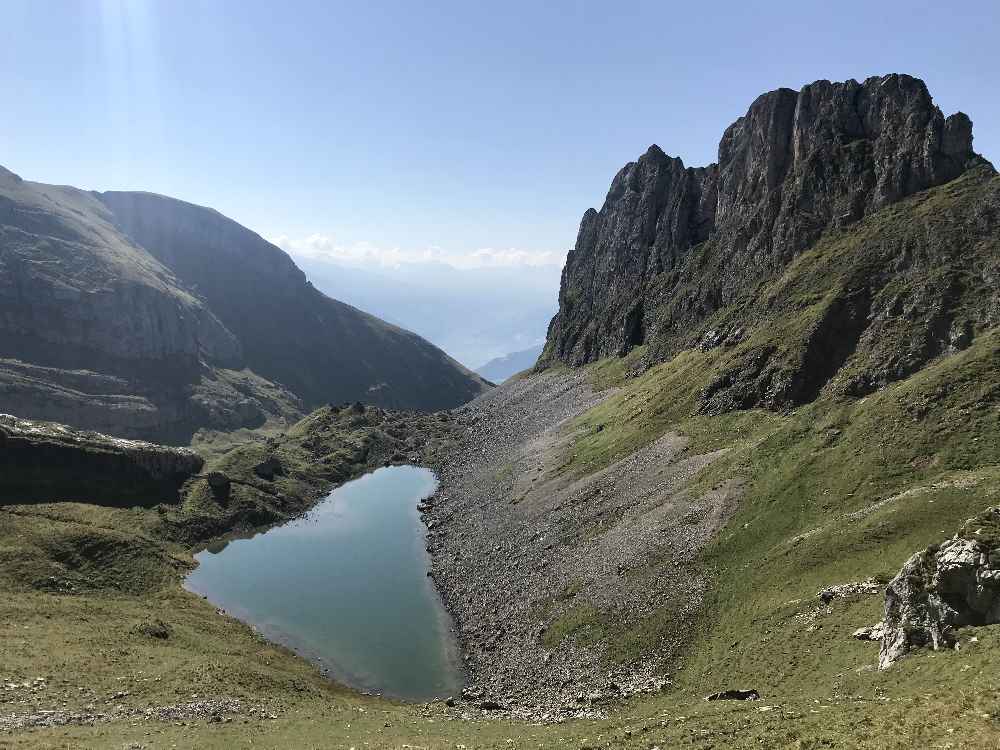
point(120, 655)
point(346, 587)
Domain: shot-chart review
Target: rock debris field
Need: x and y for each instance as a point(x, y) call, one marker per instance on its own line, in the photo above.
point(531, 561)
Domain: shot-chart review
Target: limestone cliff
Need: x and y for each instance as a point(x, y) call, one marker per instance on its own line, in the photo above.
point(147, 317)
point(47, 462)
point(682, 256)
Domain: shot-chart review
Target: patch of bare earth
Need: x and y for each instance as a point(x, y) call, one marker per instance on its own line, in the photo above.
point(547, 575)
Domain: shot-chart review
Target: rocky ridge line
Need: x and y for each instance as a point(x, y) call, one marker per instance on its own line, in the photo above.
point(673, 245)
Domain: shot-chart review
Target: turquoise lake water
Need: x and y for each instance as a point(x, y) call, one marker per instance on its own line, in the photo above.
point(347, 587)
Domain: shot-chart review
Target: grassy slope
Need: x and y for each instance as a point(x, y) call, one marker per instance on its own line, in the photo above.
point(835, 491)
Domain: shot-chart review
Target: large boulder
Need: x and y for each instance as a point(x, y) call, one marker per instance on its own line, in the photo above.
point(943, 588)
point(269, 468)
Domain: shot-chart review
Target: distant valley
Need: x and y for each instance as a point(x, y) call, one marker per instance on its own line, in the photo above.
point(499, 369)
point(474, 314)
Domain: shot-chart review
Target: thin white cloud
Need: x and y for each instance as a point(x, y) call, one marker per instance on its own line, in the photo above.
point(363, 254)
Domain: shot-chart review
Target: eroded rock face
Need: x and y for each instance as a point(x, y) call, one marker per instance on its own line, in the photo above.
point(48, 462)
point(97, 333)
point(289, 332)
point(147, 317)
point(797, 164)
point(943, 588)
point(74, 292)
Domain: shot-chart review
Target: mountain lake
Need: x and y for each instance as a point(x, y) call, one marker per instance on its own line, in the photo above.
point(346, 586)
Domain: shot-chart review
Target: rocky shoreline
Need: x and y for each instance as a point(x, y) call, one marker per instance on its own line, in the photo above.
point(522, 552)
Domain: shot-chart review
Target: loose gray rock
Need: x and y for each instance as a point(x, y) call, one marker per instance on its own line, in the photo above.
point(870, 632)
point(943, 588)
point(868, 587)
point(155, 629)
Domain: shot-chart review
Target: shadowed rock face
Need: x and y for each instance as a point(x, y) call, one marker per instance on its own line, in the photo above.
point(147, 317)
point(97, 333)
point(76, 293)
point(672, 245)
point(46, 462)
point(289, 332)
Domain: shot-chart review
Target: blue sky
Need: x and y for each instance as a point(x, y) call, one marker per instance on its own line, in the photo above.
point(383, 133)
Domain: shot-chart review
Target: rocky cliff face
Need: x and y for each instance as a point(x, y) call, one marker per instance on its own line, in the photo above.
point(95, 332)
point(74, 292)
point(46, 462)
point(676, 249)
point(146, 317)
point(289, 332)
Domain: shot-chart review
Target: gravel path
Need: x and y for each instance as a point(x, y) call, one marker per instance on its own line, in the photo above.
point(518, 546)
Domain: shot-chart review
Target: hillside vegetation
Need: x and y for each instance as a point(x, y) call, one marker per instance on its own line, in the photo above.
point(821, 507)
point(771, 381)
point(842, 489)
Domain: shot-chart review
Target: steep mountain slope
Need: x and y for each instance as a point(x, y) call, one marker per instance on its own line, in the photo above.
point(96, 332)
point(674, 247)
point(290, 332)
point(499, 369)
point(101, 332)
point(782, 393)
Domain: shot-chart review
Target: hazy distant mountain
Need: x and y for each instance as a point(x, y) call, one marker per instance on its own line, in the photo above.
point(146, 316)
point(473, 314)
point(499, 369)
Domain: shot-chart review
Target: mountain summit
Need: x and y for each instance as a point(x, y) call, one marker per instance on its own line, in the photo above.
point(680, 257)
point(144, 316)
